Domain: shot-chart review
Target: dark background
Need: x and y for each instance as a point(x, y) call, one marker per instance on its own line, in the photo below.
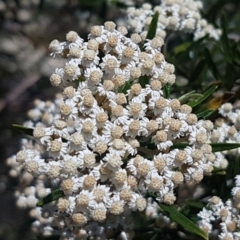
point(26, 29)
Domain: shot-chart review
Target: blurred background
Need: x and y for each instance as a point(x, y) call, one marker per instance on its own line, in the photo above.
point(26, 29)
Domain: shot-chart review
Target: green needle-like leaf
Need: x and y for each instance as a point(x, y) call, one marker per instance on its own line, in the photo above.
point(54, 195)
point(28, 131)
point(179, 145)
point(224, 39)
point(216, 147)
point(205, 95)
point(186, 97)
point(212, 66)
point(183, 221)
point(153, 26)
point(126, 86)
point(150, 35)
point(195, 203)
point(155, 237)
point(198, 70)
point(167, 90)
point(219, 147)
point(205, 114)
point(143, 80)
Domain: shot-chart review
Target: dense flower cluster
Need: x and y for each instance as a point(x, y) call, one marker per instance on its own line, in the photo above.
point(174, 15)
point(227, 128)
point(109, 142)
point(223, 216)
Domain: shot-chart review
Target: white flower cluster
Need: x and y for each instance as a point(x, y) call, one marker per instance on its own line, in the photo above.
point(174, 15)
point(109, 144)
point(32, 189)
point(43, 114)
point(223, 217)
point(123, 60)
point(227, 128)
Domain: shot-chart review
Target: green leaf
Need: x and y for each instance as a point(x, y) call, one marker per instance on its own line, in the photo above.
point(179, 146)
point(191, 95)
point(229, 76)
point(195, 203)
point(28, 131)
point(211, 64)
point(236, 166)
point(235, 53)
point(186, 97)
point(205, 95)
point(183, 47)
point(224, 38)
point(152, 29)
point(155, 237)
point(143, 80)
point(153, 26)
point(214, 10)
point(216, 147)
point(54, 195)
point(218, 171)
point(119, 4)
point(219, 147)
point(205, 114)
point(182, 220)
point(126, 86)
point(182, 51)
point(197, 70)
point(167, 90)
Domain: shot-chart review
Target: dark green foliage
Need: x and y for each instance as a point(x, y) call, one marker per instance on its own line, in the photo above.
point(205, 114)
point(209, 66)
point(182, 220)
point(204, 96)
point(153, 26)
point(53, 196)
point(28, 131)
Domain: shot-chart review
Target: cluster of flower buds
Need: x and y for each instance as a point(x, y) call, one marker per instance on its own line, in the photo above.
point(174, 15)
point(112, 140)
point(227, 127)
point(220, 218)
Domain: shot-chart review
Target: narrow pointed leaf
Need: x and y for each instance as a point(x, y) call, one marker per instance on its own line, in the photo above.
point(183, 47)
point(182, 50)
point(179, 146)
point(28, 131)
point(219, 147)
point(186, 96)
point(155, 237)
point(153, 26)
point(152, 29)
point(119, 4)
point(143, 80)
point(195, 203)
point(212, 66)
point(236, 166)
point(216, 147)
point(218, 171)
point(235, 53)
point(205, 114)
point(198, 69)
point(205, 95)
point(229, 76)
point(167, 91)
point(224, 37)
point(126, 86)
point(212, 13)
point(182, 220)
point(54, 195)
